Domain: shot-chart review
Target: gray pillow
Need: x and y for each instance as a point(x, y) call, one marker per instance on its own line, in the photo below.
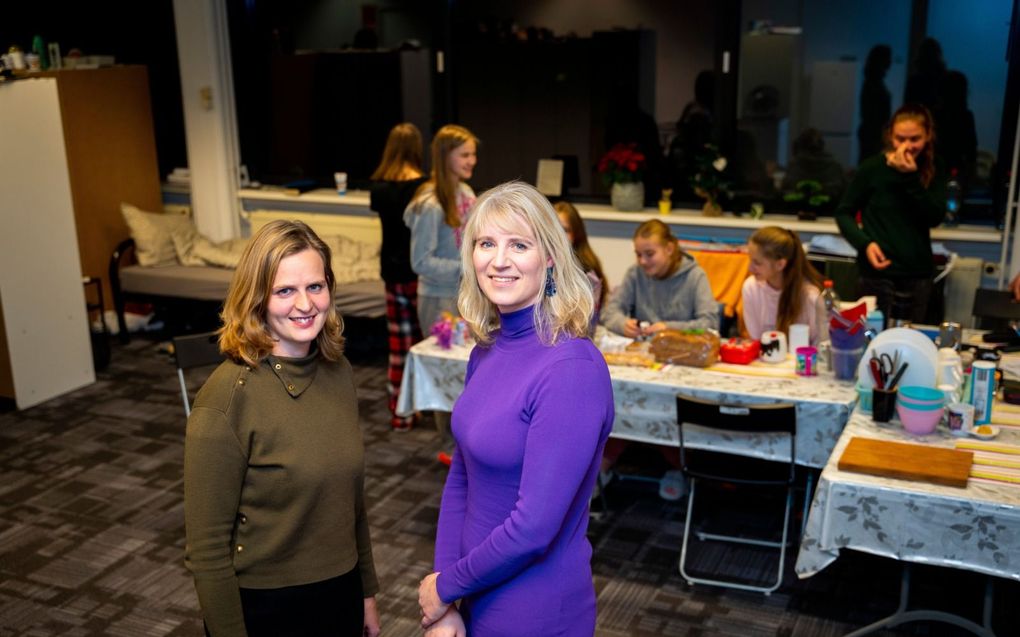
point(353, 260)
point(152, 234)
point(194, 249)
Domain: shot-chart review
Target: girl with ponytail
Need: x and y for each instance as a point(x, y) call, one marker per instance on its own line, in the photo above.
point(783, 287)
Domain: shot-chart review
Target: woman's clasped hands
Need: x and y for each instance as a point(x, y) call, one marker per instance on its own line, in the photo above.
point(438, 618)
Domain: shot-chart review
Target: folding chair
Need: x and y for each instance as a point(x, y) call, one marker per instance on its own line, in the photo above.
point(194, 350)
point(720, 467)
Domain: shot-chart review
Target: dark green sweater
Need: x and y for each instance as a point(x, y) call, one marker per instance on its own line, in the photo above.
point(897, 212)
point(273, 483)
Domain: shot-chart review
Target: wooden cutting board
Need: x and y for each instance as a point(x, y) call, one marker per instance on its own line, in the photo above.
point(907, 461)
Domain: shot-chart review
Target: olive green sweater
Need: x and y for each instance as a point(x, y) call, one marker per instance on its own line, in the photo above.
point(897, 212)
point(273, 483)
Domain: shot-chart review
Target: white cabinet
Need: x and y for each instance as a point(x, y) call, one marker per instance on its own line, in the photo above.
point(44, 341)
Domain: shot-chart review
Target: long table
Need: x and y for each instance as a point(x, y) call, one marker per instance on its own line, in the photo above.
point(646, 401)
point(976, 528)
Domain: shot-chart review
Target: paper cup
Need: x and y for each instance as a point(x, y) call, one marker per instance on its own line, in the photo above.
point(800, 336)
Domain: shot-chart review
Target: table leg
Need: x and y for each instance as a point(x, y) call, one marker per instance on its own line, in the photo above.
point(903, 616)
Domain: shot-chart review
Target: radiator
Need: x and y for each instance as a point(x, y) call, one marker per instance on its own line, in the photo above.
point(961, 285)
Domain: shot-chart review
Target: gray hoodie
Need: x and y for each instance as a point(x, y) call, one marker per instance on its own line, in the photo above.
point(435, 249)
point(682, 301)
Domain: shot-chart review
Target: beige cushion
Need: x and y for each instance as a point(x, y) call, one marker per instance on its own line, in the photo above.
point(194, 249)
point(353, 260)
point(152, 234)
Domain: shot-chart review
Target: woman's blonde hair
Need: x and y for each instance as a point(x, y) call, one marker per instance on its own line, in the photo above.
point(514, 207)
point(582, 249)
point(441, 182)
point(779, 243)
point(655, 229)
point(245, 335)
point(403, 150)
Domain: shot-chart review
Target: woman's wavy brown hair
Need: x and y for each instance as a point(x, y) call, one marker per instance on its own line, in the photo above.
point(921, 115)
point(245, 335)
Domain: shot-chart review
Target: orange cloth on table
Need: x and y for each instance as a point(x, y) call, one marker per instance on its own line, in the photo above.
point(726, 273)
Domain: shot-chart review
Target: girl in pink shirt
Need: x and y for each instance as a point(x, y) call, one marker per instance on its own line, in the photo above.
point(783, 288)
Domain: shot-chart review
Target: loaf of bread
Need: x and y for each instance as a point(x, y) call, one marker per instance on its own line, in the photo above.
point(694, 348)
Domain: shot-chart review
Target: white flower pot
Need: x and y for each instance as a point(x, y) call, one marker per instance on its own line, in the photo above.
point(628, 196)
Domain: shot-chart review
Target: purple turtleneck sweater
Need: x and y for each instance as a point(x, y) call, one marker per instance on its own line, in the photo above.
point(530, 428)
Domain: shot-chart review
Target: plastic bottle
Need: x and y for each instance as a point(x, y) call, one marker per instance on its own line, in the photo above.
point(829, 297)
point(953, 195)
point(876, 320)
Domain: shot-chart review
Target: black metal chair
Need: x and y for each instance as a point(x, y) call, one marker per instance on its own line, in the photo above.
point(194, 350)
point(994, 309)
point(720, 467)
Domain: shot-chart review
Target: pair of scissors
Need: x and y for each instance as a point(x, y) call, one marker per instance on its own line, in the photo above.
point(884, 366)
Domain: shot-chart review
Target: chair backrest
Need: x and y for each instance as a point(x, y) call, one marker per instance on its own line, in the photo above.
point(994, 308)
point(194, 350)
point(758, 418)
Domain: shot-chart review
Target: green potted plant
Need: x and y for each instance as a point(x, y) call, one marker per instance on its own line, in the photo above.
point(621, 169)
point(808, 198)
point(709, 180)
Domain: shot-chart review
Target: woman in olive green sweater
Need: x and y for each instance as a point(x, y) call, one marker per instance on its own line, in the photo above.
point(277, 537)
point(901, 195)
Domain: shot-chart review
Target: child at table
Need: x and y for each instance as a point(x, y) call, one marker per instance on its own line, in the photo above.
point(665, 289)
point(782, 288)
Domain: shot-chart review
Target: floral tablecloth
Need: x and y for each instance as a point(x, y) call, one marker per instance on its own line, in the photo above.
point(646, 402)
point(975, 528)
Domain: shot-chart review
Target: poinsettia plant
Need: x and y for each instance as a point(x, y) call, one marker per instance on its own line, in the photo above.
point(710, 180)
point(623, 164)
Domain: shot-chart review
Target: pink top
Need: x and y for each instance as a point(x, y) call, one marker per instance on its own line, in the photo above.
point(761, 306)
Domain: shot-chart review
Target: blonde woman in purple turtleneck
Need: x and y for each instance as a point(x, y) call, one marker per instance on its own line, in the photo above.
point(512, 557)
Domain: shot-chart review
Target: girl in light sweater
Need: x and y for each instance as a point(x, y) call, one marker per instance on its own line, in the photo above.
point(783, 288)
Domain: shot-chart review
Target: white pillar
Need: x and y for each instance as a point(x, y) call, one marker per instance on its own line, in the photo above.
point(203, 51)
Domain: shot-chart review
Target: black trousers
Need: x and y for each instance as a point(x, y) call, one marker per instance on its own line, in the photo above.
point(331, 608)
point(913, 293)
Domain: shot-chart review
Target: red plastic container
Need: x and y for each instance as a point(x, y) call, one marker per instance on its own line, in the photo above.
point(741, 351)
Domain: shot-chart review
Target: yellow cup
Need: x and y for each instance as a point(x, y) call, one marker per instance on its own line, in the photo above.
point(665, 206)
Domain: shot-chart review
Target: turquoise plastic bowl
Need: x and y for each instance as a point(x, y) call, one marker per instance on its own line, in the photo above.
point(920, 394)
point(919, 406)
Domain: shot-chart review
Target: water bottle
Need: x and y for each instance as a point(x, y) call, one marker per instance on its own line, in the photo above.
point(953, 194)
point(829, 297)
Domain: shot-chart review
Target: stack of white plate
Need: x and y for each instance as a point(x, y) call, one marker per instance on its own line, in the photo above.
point(914, 347)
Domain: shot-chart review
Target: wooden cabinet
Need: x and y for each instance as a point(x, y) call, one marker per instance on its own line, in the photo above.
point(111, 156)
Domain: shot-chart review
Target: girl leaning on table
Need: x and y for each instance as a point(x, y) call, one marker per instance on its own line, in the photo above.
point(536, 410)
point(577, 235)
point(783, 288)
point(665, 289)
point(394, 183)
point(277, 536)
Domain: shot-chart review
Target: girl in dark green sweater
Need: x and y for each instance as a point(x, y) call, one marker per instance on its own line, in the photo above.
point(901, 195)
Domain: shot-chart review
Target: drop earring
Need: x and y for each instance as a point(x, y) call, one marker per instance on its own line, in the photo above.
point(550, 282)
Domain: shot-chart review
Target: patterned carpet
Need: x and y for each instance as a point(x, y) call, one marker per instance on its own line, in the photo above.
point(92, 530)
